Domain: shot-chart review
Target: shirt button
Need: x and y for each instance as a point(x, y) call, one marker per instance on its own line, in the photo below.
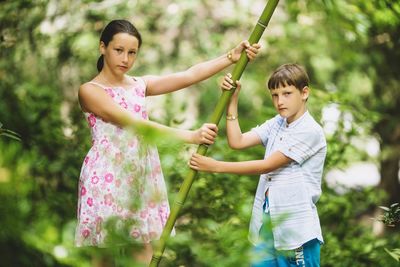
point(280, 139)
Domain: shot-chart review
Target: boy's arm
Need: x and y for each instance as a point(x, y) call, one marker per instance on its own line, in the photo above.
point(236, 139)
point(275, 161)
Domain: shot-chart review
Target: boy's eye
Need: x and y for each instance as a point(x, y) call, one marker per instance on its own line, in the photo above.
point(118, 50)
point(287, 93)
point(132, 53)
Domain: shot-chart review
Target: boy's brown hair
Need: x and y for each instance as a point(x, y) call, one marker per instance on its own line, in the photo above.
point(287, 75)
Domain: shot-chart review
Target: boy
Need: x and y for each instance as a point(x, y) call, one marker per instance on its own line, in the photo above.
point(284, 224)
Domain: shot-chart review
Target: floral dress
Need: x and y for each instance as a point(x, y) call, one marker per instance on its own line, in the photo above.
point(122, 193)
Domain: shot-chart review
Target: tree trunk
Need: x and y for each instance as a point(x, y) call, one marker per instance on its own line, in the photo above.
point(390, 175)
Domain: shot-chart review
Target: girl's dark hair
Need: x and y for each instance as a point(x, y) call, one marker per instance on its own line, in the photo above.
point(112, 28)
point(287, 75)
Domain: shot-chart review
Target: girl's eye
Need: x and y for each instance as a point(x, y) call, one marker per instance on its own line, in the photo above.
point(118, 50)
point(132, 53)
point(287, 94)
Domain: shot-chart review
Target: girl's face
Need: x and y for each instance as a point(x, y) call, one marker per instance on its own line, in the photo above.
point(121, 52)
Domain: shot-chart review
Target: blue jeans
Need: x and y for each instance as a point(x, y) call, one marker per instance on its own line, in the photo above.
point(308, 255)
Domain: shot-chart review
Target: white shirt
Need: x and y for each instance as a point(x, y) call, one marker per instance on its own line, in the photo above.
point(294, 189)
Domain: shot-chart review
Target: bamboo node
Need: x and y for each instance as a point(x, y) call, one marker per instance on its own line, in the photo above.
point(261, 24)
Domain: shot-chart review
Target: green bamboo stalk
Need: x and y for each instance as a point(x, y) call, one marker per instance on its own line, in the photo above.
point(215, 118)
point(9, 133)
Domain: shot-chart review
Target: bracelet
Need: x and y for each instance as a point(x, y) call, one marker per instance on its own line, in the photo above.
point(231, 117)
point(229, 56)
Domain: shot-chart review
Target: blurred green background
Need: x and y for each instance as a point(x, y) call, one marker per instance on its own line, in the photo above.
point(351, 50)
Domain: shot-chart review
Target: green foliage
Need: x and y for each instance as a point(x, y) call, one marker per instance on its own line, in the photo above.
point(348, 236)
point(395, 253)
point(350, 49)
point(391, 215)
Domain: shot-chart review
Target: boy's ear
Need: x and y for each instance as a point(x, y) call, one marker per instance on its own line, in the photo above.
point(305, 92)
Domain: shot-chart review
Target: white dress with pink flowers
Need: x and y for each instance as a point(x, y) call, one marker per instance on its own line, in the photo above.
point(121, 186)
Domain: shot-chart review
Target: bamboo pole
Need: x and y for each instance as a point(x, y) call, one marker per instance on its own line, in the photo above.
point(215, 118)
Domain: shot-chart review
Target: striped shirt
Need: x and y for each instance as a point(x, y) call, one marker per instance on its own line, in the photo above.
point(294, 189)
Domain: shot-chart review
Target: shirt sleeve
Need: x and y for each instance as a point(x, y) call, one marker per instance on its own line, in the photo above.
point(264, 130)
point(303, 145)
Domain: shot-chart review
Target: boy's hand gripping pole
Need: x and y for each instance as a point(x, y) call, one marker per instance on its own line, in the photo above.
point(215, 118)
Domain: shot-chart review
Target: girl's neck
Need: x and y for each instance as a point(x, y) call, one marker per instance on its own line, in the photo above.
point(112, 80)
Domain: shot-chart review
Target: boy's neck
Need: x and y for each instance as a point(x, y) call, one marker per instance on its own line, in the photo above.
point(298, 115)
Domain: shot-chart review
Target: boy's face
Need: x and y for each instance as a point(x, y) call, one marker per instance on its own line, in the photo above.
point(289, 101)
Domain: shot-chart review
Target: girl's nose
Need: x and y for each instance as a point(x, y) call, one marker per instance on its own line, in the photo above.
point(125, 58)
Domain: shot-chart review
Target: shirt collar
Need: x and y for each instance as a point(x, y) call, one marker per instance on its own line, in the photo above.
point(296, 122)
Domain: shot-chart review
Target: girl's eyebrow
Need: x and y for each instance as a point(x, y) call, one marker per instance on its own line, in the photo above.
point(122, 47)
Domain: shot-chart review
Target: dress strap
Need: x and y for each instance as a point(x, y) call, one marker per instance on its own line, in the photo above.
point(98, 84)
point(141, 81)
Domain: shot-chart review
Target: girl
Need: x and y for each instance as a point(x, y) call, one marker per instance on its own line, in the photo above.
point(121, 175)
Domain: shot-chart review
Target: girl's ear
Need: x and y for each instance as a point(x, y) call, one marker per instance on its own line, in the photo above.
point(305, 92)
point(102, 48)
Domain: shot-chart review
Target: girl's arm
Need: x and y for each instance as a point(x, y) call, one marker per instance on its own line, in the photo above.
point(236, 139)
point(95, 100)
point(157, 85)
point(275, 161)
